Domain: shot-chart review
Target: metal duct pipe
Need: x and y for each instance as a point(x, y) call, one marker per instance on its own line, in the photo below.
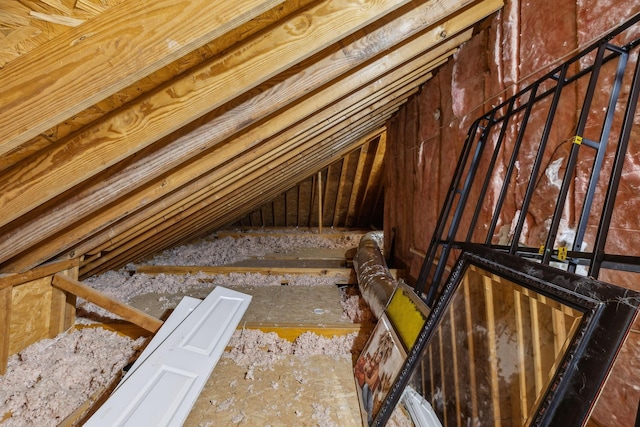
point(375, 282)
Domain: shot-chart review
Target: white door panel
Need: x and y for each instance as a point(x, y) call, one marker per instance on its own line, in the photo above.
point(182, 310)
point(162, 390)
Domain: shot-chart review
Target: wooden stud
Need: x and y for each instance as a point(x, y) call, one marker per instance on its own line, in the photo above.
point(319, 202)
point(123, 310)
point(5, 327)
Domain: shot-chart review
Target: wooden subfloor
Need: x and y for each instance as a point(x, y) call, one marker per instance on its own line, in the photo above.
point(298, 390)
point(314, 305)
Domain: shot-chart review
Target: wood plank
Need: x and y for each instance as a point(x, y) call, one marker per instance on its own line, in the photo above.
point(65, 213)
point(49, 269)
point(323, 149)
point(196, 224)
point(30, 313)
point(150, 82)
point(5, 327)
point(242, 198)
point(123, 310)
point(221, 127)
point(337, 232)
point(291, 332)
point(251, 181)
point(347, 273)
point(132, 40)
point(191, 96)
point(220, 176)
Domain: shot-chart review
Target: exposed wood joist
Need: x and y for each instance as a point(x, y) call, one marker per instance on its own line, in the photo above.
point(119, 47)
point(284, 101)
point(186, 99)
point(347, 275)
point(265, 160)
point(180, 227)
point(48, 222)
point(187, 227)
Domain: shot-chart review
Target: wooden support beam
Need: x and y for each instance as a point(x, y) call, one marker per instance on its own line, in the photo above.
point(188, 98)
point(50, 222)
point(353, 198)
point(345, 274)
point(148, 243)
point(9, 280)
point(374, 180)
point(320, 202)
point(336, 232)
point(220, 176)
point(264, 163)
point(123, 310)
point(325, 147)
point(220, 127)
point(328, 155)
point(120, 47)
point(5, 327)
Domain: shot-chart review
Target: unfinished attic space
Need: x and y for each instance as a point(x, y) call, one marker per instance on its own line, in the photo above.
point(319, 213)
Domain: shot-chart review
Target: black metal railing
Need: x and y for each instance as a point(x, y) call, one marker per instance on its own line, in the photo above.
point(505, 132)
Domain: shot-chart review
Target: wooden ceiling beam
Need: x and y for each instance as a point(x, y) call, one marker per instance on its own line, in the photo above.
point(52, 82)
point(150, 82)
point(374, 180)
point(265, 159)
point(207, 220)
point(189, 97)
point(172, 225)
point(226, 124)
point(148, 244)
point(287, 145)
point(53, 222)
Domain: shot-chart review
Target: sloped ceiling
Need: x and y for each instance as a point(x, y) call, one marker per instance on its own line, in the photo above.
point(127, 127)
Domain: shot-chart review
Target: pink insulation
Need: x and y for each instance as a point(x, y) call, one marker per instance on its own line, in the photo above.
point(521, 43)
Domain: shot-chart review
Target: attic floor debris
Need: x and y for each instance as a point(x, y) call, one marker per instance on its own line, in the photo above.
point(309, 381)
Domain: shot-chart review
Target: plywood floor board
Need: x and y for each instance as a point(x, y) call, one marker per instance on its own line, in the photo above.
point(295, 391)
point(309, 305)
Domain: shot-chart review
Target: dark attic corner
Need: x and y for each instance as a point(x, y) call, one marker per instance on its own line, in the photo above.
point(333, 213)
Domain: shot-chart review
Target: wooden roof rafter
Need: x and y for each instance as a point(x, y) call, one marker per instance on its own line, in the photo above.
point(192, 155)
